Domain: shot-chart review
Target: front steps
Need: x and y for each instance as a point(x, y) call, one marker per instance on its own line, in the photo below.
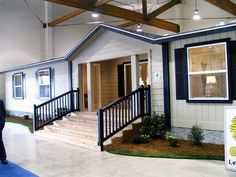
point(81, 129)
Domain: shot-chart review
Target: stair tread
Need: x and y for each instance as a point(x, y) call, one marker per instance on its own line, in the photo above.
point(64, 130)
point(86, 143)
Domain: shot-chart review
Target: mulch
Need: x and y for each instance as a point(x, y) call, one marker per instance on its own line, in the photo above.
point(160, 146)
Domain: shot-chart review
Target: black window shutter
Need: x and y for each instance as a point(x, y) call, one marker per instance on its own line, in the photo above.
point(233, 68)
point(13, 87)
point(37, 84)
point(121, 87)
point(23, 86)
point(52, 75)
point(181, 74)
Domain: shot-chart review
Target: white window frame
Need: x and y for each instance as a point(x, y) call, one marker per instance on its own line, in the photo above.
point(208, 72)
point(18, 86)
point(39, 85)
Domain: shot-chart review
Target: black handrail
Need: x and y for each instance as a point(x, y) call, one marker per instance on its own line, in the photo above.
point(121, 113)
point(55, 108)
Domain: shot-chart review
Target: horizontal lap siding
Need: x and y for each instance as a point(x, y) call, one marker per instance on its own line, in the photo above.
point(109, 80)
point(209, 116)
point(26, 105)
point(157, 86)
point(110, 45)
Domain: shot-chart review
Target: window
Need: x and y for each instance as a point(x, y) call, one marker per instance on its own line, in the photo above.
point(44, 83)
point(18, 88)
point(208, 72)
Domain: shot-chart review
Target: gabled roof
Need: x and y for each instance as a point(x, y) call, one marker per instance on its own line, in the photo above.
point(53, 60)
point(147, 37)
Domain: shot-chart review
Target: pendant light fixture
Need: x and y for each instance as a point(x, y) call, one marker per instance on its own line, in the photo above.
point(139, 28)
point(196, 15)
point(95, 15)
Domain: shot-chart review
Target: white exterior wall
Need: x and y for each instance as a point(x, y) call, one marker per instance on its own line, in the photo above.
point(208, 116)
point(26, 105)
point(109, 45)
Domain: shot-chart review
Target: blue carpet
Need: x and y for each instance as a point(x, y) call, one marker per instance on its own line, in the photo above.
point(13, 170)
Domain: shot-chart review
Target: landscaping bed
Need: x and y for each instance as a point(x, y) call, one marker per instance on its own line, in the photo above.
point(160, 148)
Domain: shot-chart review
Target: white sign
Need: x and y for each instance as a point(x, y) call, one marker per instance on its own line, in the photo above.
point(230, 137)
point(156, 76)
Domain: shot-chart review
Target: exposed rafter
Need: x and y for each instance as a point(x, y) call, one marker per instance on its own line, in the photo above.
point(156, 12)
point(121, 13)
point(127, 24)
point(163, 8)
point(66, 17)
point(144, 3)
point(225, 5)
point(74, 13)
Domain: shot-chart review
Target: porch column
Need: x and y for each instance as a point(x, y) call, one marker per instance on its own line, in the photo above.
point(134, 72)
point(80, 86)
point(90, 86)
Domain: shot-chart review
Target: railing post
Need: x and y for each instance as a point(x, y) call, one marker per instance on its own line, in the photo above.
point(148, 100)
point(78, 104)
point(100, 128)
point(72, 101)
point(142, 101)
point(34, 119)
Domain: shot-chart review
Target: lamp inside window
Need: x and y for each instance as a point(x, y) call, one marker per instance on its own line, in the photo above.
point(208, 72)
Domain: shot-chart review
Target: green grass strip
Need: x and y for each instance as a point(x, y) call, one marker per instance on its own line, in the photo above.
point(29, 125)
point(165, 155)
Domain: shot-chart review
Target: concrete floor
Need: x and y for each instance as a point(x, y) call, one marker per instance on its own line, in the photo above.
point(54, 159)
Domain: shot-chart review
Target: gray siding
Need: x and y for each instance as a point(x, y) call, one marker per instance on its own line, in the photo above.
point(109, 45)
point(26, 105)
point(209, 116)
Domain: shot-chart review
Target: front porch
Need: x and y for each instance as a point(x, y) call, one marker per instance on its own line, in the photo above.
point(103, 82)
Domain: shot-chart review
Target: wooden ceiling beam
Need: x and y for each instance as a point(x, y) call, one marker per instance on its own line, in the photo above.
point(74, 13)
point(155, 12)
point(66, 17)
point(118, 12)
point(144, 3)
point(225, 5)
point(163, 8)
point(127, 24)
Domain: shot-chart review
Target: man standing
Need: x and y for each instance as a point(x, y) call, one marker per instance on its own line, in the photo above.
point(3, 155)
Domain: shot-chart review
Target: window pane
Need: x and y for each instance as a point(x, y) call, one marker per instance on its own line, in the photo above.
point(18, 92)
point(205, 85)
point(143, 74)
point(18, 80)
point(44, 91)
point(207, 58)
point(44, 78)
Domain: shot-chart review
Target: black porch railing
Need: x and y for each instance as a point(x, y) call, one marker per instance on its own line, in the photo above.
point(121, 113)
point(56, 108)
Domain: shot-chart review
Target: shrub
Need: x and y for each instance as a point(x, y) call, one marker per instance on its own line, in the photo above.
point(26, 116)
point(140, 139)
point(172, 140)
point(196, 135)
point(154, 126)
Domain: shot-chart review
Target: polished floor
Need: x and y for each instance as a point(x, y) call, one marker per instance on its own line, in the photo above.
point(54, 159)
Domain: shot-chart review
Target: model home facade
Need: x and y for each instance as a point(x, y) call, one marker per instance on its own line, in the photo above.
point(191, 77)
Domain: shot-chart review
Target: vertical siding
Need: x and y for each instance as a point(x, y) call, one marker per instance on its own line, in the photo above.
point(26, 105)
point(209, 116)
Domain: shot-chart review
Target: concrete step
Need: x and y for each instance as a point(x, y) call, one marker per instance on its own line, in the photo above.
point(84, 143)
point(73, 132)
